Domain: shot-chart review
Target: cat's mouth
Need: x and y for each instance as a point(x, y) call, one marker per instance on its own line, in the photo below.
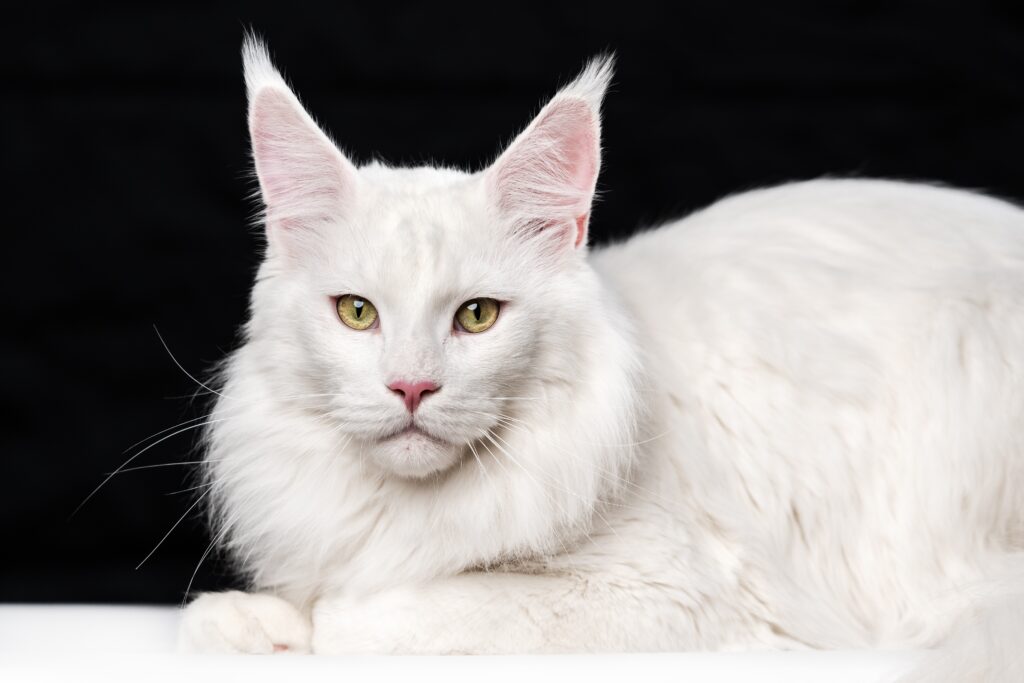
point(414, 452)
point(413, 432)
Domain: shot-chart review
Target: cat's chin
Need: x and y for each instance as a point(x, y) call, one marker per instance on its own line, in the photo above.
point(414, 454)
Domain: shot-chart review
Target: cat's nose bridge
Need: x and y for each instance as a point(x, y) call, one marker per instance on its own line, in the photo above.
point(412, 355)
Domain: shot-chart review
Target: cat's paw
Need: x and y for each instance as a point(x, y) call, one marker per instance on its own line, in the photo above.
point(243, 623)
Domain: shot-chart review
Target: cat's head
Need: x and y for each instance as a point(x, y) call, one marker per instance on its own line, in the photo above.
point(414, 308)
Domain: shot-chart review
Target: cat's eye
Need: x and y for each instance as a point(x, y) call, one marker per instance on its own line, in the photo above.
point(476, 315)
point(356, 312)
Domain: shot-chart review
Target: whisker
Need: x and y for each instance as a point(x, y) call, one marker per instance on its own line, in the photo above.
point(179, 463)
point(129, 460)
point(164, 431)
point(180, 367)
point(175, 526)
point(506, 398)
point(188, 588)
point(219, 393)
point(190, 488)
point(483, 469)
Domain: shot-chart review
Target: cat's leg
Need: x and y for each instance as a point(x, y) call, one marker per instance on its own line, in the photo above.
point(499, 613)
point(236, 622)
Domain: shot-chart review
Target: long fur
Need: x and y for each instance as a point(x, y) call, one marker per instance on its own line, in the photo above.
point(789, 420)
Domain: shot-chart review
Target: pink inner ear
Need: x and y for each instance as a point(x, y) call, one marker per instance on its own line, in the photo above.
point(547, 176)
point(581, 228)
point(302, 175)
point(571, 124)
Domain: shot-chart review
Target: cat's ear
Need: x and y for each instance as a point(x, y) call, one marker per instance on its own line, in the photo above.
point(305, 181)
point(544, 182)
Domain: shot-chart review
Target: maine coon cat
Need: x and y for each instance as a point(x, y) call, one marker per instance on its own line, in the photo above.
point(790, 420)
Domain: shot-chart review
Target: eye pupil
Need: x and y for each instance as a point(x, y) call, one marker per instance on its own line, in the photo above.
point(356, 312)
point(476, 315)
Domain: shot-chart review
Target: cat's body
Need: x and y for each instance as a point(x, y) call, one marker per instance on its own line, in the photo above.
point(840, 376)
point(791, 419)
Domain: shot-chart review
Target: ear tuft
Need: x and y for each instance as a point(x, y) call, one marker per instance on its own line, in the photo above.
point(305, 181)
point(545, 181)
point(258, 67)
point(592, 83)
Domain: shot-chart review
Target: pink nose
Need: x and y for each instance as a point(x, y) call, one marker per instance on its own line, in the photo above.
point(412, 392)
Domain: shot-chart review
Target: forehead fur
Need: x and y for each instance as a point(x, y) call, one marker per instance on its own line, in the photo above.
point(415, 180)
point(415, 233)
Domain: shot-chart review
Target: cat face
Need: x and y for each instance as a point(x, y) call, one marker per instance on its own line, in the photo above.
point(414, 390)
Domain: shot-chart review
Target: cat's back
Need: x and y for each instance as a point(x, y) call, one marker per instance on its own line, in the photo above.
point(831, 285)
point(823, 249)
point(866, 221)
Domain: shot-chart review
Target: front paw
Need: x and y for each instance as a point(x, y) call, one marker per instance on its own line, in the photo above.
point(242, 623)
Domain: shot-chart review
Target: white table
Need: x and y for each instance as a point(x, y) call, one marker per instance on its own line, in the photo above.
point(99, 643)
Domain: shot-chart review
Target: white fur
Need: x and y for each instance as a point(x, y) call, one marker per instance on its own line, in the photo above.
point(243, 623)
point(789, 420)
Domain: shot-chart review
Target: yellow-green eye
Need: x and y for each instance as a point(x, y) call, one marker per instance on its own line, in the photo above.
point(476, 315)
point(356, 312)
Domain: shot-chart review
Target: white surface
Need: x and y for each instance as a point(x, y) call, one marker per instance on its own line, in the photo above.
point(87, 643)
point(87, 629)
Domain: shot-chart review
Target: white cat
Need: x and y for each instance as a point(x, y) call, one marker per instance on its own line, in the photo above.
point(790, 420)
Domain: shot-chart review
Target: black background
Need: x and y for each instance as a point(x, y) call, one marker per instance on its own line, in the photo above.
point(123, 167)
